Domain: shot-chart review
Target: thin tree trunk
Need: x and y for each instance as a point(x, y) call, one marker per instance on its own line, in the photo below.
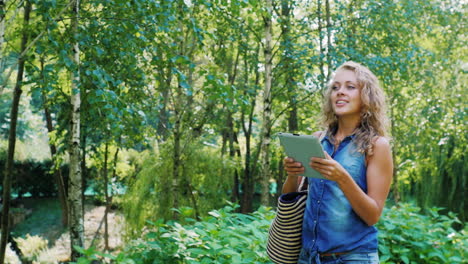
point(2, 31)
point(84, 171)
point(266, 125)
point(106, 194)
point(114, 169)
point(165, 79)
point(232, 153)
point(247, 181)
point(176, 165)
point(395, 189)
point(12, 139)
point(53, 151)
point(75, 183)
point(235, 189)
point(321, 53)
point(329, 43)
point(232, 71)
point(289, 65)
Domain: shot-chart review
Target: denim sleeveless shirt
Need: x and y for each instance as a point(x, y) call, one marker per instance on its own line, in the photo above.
point(330, 224)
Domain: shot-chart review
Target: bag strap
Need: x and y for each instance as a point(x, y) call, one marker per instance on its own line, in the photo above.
point(303, 186)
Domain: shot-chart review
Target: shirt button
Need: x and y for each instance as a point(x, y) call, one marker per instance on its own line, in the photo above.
point(321, 180)
point(318, 201)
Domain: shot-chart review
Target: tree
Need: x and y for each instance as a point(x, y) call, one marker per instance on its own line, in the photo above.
point(2, 29)
point(53, 150)
point(267, 105)
point(75, 183)
point(12, 136)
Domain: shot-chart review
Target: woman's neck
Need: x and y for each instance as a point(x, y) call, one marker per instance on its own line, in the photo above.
point(346, 127)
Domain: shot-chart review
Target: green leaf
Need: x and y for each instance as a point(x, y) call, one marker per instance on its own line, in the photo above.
point(405, 259)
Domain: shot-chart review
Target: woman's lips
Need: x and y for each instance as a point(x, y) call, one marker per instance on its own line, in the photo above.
point(341, 102)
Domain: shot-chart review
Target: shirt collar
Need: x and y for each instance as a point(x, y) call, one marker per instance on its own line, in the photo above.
point(350, 137)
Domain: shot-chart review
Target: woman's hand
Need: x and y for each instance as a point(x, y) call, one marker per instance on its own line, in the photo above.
point(329, 168)
point(292, 167)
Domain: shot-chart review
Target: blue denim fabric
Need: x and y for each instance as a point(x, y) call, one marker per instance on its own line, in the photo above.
point(330, 224)
point(352, 258)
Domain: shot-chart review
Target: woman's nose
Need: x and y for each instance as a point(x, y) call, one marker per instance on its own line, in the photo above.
point(340, 90)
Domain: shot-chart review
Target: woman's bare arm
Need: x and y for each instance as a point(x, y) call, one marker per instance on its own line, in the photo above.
point(379, 176)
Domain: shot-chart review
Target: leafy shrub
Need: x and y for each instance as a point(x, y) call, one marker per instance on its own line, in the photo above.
point(47, 256)
point(31, 246)
point(407, 236)
point(204, 184)
point(32, 177)
point(221, 237)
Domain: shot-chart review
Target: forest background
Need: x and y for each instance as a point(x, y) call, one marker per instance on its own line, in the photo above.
point(175, 104)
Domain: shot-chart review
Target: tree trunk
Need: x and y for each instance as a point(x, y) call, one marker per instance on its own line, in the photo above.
point(165, 80)
point(2, 30)
point(289, 65)
point(266, 125)
point(232, 71)
point(247, 181)
point(106, 194)
point(75, 183)
point(329, 43)
point(322, 79)
point(395, 189)
point(176, 164)
point(232, 153)
point(235, 188)
point(12, 139)
point(53, 151)
point(84, 171)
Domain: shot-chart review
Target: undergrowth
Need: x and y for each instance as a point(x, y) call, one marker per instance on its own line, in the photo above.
point(405, 236)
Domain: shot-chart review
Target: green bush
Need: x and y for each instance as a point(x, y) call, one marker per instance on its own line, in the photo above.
point(222, 237)
point(406, 236)
point(204, 184)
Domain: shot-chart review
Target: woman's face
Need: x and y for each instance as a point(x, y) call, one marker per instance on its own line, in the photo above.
point(346, 94)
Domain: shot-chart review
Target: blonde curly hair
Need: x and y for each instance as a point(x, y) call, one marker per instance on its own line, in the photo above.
point(374, 120)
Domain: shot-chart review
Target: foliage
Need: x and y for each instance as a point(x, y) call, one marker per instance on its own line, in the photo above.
point(205, 184)
point(26, 172)
point(222, 237)
point(194, 68)
point(31, 246)
point(47, 256)
point(34, 250)
point(407, 236)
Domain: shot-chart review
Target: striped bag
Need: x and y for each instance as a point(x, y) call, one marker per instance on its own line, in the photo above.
point(285, 234)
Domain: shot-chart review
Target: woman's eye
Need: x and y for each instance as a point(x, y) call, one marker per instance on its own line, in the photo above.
point(351, 87)
point(334, 87)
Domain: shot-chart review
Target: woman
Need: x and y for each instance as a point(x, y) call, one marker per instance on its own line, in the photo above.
point(341, 210)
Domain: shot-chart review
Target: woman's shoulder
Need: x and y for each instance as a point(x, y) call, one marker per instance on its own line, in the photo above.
point(381, 147)
point(381, 142)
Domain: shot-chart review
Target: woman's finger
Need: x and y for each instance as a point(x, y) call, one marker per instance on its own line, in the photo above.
point(317, 165)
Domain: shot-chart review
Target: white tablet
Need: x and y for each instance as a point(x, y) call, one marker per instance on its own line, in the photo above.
point(301, 148)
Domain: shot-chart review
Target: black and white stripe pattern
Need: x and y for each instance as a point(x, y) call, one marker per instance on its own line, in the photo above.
point(284, 236)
